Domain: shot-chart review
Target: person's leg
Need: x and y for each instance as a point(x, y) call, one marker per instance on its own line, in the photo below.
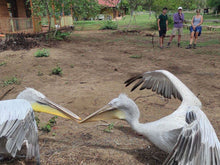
point(191, 40)
point(195, 41)
point(161, 41)
point(172, 36)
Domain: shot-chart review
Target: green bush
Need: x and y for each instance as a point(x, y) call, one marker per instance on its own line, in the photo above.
point(42, 53)
point(62, 35)
point(109, 25)
point(57, 71)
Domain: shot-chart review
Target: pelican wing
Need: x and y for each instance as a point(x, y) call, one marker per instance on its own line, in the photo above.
point(165, 84)
point(196, 144)
point(17, 126)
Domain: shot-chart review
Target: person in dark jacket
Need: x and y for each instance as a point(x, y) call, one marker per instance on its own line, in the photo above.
point(162, 23)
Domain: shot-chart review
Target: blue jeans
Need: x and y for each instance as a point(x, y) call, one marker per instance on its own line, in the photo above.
point(198, 29)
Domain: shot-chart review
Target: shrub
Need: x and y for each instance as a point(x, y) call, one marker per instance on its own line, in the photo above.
point(42, 53)
point(109, 25)
point(62, 35)
point(12, 80)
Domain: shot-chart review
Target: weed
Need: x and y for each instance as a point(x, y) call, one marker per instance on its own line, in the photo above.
point(42, 53)
point(72, 66)
point(47, 127)
point(109, 128)
point(40, 73)
point(12, 80)
point(136, 56)
point(109, 25)
point(3, 63)
point(57, 71)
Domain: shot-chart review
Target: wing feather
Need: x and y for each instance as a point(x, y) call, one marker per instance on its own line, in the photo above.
point(164, 83)
point(193, 145)
point(17, 126)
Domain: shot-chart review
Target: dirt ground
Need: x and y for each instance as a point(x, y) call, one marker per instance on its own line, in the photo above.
point(95, 65)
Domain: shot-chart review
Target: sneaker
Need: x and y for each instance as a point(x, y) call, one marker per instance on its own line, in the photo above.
point(168, 44)
point(189, 46)
point(194, 46)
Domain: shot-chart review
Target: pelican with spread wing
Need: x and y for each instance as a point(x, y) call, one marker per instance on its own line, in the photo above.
point(17, 122)
point(186, 134)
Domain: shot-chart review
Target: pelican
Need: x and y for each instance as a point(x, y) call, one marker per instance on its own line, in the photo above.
point(186, 134)
point(17, 122)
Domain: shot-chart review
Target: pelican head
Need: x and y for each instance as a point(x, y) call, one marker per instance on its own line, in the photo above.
point(41, 103)
point(119, 108)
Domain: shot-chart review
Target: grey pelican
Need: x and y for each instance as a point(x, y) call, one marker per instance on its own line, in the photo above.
point(17, 122)
point(186, 134)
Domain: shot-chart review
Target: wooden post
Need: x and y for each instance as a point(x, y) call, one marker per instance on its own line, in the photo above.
point(32, 16)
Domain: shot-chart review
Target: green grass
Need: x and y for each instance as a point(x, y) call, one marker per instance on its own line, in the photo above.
point(141, 22)
point(136, 56)
point(3, 63)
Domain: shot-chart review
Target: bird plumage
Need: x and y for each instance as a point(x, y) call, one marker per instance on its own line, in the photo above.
point(186, 134)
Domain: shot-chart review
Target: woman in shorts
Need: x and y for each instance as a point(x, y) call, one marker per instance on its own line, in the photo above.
point(195, 29)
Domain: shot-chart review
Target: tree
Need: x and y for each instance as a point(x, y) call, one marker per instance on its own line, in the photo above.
point(215, 4)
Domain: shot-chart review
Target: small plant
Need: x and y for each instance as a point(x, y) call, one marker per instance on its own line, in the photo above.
point(40, 73)
point(57, 71)
point(3, 63)
point(12, 80)
point(72, 66)
point(109, 25)
point(47, 127)
point(62, 35)
point(109, 128)
point(42, 53)
point(136, 56)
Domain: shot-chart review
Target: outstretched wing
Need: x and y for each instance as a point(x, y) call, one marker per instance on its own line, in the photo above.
point(17, 126)
point(196, 144)
point(166, 84)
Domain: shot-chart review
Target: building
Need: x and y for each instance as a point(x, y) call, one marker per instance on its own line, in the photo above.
point(111, 8)
point(15, 16)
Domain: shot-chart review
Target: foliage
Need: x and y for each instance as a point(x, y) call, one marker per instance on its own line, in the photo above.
point(109, 128)
point(42, 53)
point(3, 63)
point(12, 80)
point(136, 56)
point(109, 25)
point(62, 35)
point(215, 4)
point(57, 71)
point(48, 126)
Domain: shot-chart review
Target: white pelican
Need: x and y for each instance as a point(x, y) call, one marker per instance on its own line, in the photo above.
point(17, 122)
point(186, 134)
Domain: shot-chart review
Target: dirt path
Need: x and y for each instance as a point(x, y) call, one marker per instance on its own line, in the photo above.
point(95, 65)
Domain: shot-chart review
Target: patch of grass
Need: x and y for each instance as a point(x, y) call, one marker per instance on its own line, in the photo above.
point(109, 25)
point(48, 127)
point(9, 81)
point(136, 56)
point(57, 71)
point(42, 53)
point(3, 63)
point(209, 42)
point(109, 128)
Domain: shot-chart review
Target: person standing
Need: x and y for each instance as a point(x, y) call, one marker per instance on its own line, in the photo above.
point(178, 19)
point(195, 29)
point(162, 23)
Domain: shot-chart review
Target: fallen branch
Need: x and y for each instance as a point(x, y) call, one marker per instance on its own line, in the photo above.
point(4, 94)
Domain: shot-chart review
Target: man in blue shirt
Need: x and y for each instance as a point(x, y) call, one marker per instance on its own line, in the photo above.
point(178, 19)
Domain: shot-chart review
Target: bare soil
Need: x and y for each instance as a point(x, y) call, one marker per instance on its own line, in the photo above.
point(95, 64)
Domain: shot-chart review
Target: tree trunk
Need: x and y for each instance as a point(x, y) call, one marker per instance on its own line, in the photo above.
point(48, 14)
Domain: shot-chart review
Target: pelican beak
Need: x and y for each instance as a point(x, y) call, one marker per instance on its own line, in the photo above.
point(47, 106)
point(105, 113)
